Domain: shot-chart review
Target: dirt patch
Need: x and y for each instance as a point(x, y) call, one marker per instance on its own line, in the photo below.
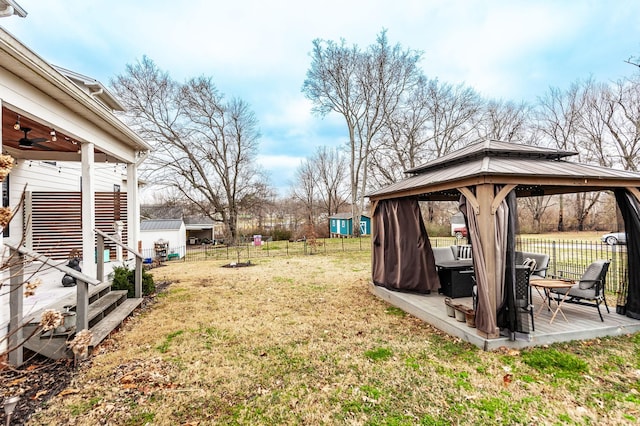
point(238, 264)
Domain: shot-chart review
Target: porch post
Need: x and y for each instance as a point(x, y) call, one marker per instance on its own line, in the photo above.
point(133, 206)
point(16, 300)
point(88, 211)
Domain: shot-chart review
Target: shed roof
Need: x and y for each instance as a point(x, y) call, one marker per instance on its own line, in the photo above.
point(161, 225)
point(536, 171)
point(345, 216)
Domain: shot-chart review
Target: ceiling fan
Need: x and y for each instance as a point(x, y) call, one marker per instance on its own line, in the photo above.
point(27, 143)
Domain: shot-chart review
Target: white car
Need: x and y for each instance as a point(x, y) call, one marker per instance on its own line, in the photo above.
point(614, 238)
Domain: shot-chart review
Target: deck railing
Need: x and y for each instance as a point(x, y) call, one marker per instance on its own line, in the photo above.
point(19, 256)
point(571, 257)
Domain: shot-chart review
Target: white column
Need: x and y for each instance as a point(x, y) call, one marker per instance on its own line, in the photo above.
point(88, 211)
point(133, 207)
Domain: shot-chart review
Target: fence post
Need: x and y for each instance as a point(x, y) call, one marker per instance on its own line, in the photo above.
point(555, 257)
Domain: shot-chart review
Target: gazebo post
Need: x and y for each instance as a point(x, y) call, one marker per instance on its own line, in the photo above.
point(487, 228)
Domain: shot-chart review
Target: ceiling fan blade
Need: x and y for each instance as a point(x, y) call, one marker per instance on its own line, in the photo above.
point(38, 140)
point(25, 143)
point(44, 147)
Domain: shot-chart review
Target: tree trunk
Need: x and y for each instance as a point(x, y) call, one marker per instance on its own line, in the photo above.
point(561, 214)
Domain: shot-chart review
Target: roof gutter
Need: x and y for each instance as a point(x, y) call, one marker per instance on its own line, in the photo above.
point(12, 8)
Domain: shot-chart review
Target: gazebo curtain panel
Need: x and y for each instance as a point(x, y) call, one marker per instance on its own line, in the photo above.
point(630, 209)
point(505, 230)
point(402, 256)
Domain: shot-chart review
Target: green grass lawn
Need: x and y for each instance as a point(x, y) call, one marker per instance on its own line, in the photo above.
point(301, 341)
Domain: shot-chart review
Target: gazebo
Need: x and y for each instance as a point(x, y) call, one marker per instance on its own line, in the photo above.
point(486, 178)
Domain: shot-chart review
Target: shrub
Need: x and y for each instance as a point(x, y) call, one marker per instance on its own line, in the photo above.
point(124, 279)
point(280, 234)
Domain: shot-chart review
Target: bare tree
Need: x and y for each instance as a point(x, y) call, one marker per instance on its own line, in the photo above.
point(402, 143)
point(363, 87)
point(595, 144)
point(505, 121)
point(622, 119)
point(536, 206)
point(305, 188)
point(332, 169)
point(204, 145)
point(558, 119)
point(321, 182)
point(454, 112)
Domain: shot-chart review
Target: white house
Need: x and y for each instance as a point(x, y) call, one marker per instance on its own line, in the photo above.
point(76, 161)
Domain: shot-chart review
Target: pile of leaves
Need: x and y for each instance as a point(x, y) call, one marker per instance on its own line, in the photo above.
point(37, 381)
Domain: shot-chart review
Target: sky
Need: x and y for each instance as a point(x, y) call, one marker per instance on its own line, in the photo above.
point(259, 50)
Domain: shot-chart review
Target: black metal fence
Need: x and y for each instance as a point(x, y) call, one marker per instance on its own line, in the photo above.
point(247, 251)
point(570, 258)
point(567, 257)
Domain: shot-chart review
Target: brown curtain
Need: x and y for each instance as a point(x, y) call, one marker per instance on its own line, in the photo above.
point(402, 258)
point(485, 317)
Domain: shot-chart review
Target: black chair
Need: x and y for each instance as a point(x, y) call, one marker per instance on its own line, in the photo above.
point(523, 299)
point(589, 289)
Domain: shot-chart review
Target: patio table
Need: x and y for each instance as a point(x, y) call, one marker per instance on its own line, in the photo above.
point(546, 286)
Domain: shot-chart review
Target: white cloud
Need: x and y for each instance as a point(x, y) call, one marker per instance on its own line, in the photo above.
point(259, 50)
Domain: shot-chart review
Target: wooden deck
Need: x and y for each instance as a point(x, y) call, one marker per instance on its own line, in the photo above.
point(583, 321)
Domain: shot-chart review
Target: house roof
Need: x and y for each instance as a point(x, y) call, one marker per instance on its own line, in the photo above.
point(198, 222)
point(30, 68)
point(93, 87)
point(536, 171)
point(161, 225)
point(10, 7)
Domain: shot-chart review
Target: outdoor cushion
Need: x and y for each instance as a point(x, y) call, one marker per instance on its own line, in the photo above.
point(591, 275)
point(443, 254)
point(576, 291)
point(530, 263)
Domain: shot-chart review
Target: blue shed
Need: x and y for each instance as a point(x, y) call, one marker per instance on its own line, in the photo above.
point(341, 225)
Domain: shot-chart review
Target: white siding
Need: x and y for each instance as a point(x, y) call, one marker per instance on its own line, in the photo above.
point(177, 240)
point(64, 176)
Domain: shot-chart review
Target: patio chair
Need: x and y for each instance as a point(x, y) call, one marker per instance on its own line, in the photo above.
point(523, 299)
point(589, 289)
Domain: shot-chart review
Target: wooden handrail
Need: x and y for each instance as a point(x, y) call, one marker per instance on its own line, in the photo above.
point(101, 235)
point(52, 263)
point(117, 242)
point(15, 302)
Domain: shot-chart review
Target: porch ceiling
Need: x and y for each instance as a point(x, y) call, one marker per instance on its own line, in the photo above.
point(11, 136)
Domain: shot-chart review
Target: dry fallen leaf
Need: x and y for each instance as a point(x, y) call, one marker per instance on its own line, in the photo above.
point(39, 394)
point(506, 379)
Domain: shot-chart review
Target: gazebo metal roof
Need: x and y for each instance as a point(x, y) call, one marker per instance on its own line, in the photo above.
point(536, 171)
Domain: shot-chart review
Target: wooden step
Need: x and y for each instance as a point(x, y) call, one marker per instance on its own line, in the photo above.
point(110, 322)
point(70, 300)
point(105, 304)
